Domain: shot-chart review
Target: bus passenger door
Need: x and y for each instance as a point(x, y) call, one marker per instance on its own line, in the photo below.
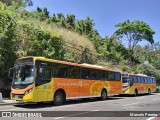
point(43, 84)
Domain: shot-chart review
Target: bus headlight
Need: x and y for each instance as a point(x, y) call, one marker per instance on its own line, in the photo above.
point(28, 91)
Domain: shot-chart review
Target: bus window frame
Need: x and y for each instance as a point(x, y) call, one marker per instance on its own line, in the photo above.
point(119, 79)
point(38, 64)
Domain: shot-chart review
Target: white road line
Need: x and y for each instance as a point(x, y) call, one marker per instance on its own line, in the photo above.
point(156, 99)
point(132, 104)
point(12, 109)
point(150, 118)
point(140, 97)
point(58, 118)
point(75, 114)
point(95, 110)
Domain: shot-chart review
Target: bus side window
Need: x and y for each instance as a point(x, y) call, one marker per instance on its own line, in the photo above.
point(44, 73)
point(94, 74)
point(103, 75)
point(85, 73)
point(135, 79)
point(145, 79)
point(131, 80)
point(142, 78)
point(111, 75)
point(60, 70)
point(139, 79)
point(74, 72)
point(149, 80)
point(117, 76)
point(153, 80)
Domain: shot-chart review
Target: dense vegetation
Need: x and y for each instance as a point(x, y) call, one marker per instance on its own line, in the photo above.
point(63, 37)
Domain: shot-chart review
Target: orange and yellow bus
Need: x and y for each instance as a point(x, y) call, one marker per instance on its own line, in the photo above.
point(38, 79)
point(135, 84)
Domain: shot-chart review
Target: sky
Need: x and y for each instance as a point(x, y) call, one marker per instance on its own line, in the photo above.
point(107, 13)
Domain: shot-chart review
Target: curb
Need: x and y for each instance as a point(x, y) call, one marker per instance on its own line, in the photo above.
point(1, 104)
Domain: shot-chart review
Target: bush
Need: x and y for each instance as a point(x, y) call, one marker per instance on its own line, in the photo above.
point(158, 88)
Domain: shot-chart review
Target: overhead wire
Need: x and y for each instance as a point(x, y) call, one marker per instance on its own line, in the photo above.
point(70, 45)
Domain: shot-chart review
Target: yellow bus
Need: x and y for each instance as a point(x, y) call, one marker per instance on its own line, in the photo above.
point(38, 79)
point(135, 84)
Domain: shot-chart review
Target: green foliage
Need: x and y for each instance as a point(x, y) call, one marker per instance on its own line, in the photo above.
point(39, 42)
point(151, 71)
point(7, 40)
point(43, 14)
point(27, 2)
point(134, 32)
point(158, 88)
point(64, 37)
point(112, 50)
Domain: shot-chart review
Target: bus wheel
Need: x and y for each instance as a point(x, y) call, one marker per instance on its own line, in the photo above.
point(58, 98)
point(135, 92)
point(149, 91)
point(104, 95)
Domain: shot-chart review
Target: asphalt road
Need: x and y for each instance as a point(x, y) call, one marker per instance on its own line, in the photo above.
point(92, 109)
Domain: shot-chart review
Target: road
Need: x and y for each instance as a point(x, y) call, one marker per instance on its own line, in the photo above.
point(93, 107)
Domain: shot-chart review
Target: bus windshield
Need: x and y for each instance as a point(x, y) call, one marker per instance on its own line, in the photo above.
point(125, 80)
point(23, 74)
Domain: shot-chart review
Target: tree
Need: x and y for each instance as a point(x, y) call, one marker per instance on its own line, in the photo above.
point(42, 14)
point(39, 9)
point(7, 43)
point(84, 26)
point(134, 32)
point(152, 71)
point(45, 12)
point(28, 2)
point(70, 20)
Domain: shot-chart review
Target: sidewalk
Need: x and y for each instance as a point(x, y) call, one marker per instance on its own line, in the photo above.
point(8, 102)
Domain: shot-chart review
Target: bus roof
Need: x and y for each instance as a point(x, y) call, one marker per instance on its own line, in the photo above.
point(70, 63)
point(141, 75)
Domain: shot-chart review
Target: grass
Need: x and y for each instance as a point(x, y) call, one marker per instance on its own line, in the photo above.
point(73, 43)
point(71, 37)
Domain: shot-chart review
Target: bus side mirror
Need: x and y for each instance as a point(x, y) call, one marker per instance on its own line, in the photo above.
point(10, 73)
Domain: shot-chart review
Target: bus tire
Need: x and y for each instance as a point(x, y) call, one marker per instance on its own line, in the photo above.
point(149, 91)
point(135, 92)
point(104, 95)
point(58, 98)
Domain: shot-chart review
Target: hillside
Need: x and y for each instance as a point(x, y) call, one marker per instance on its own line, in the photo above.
point(63, 37)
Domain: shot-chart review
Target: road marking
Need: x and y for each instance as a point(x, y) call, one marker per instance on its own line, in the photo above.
point(95, 110)
point(11, 109)
point(75, 114)
point(140, 97)
point(58, 118)
point(150, 118)
point(156, 99)
point(132, 104)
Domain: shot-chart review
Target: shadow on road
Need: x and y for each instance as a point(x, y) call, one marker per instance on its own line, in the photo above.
point(139, 95)
point(68, 102)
